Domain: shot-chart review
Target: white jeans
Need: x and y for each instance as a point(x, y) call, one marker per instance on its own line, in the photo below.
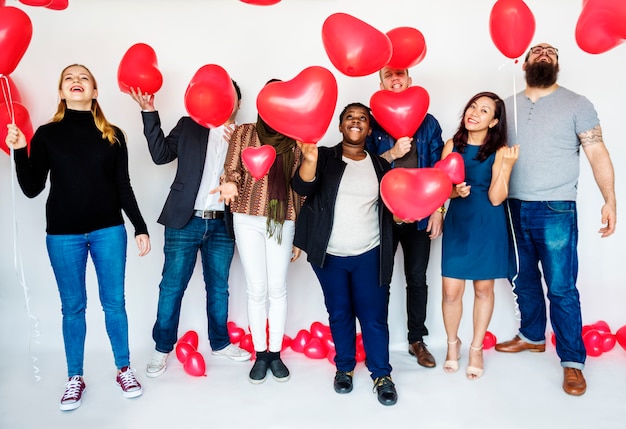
point(265, 264)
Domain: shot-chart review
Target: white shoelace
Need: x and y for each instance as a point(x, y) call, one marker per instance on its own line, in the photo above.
point(72, 388)
point(128, 380)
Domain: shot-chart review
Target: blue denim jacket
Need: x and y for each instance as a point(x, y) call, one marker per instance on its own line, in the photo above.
point(427, 139)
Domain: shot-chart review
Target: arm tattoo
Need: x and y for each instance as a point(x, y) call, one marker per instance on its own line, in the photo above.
point(590, 137)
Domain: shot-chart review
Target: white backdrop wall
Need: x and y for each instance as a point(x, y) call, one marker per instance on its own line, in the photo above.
point(255, 43)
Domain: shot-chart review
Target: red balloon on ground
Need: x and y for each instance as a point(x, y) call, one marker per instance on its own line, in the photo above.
point(183, 350)
point(300, 340)
point(318, 329)
point(315, 349)
point(190, 337)
point(489, 341)
point(246, 343)
point(620, 336)
point(608, 341)
point(195, 365)
point(593, 343)
point(286, 343)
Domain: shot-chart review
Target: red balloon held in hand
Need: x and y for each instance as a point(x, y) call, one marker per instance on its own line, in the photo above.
point(601, 25)
point(512, 26)
point(139, 69)
point(408, 47)
point(354, 47)
point(301, 108)
point(190, 337)
point(400, 113)
point(210, 96)
point(22, 121)
point(454, 166)
point(258, 160)
point(16, 31)
point(195, 365)
point(183, 350)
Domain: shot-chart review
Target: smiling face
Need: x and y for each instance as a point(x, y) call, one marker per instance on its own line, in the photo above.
point(480, 115)
point(396, 80)
point(541, 66)
point(355, 125)
point(77, 87)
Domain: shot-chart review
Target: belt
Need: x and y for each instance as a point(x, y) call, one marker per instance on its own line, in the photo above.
point(209, 214)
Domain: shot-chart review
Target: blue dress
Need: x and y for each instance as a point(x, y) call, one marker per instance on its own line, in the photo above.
point(475, 238)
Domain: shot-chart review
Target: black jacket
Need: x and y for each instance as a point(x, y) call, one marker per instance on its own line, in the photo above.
point(315, 221)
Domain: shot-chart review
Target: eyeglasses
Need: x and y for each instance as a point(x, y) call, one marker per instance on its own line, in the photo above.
point(538, 50)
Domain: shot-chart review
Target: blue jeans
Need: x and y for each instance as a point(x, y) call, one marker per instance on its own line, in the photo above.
point(68, 256)
point(216, 248)
point(546, 233)
point(351, 291)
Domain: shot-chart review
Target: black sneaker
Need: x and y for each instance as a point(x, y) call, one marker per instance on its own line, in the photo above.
point(259, 369)
point(343, 381)
point(278, 368)
point(386, 390)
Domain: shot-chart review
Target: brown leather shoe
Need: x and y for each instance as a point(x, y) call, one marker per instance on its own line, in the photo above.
point(517, 345)
point(424, 358)
point(573, 381)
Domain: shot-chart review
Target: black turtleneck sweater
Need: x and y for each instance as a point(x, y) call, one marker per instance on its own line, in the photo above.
point(89, 180)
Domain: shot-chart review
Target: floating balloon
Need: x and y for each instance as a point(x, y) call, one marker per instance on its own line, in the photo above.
point(36, 2)
point(354, 47)
point(601, 25)
point(414, 193)
point(183, 350)
point(400, 113)
point(489, 341)
point(58, 5)
point(302, 107)
point(210, 96)
point(454, 166)
point(261, 2)
point(190, 337)
point(195, 365)
point(22, 121)
point(512, 26)
point(300, 340)
point(408, 47)
point(139, 69)
point(16, 31)
point(258, 160)
point(315, 349)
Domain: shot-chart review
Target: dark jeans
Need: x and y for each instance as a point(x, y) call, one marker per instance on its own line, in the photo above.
point(416, 249)
point(216, 248)
point(351, 291)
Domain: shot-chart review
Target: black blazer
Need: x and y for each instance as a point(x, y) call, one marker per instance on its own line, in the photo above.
point(187, 142)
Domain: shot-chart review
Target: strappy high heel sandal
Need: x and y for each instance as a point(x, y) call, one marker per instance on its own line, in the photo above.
point(452, 365)
point(473, 372)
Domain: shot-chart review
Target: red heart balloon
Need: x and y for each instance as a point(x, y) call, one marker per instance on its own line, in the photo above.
point(601, 25)
point(409, 47)
point(331, 356)
point(512, 26)
point(489, 341)
point(190, 337)
point(36, 2)
point(16, 31)
point(183, 350)
point(608, 341)
point(139, 69)
point(318, 329)
point(22, 120)
point(246, 343)
point(261, 2)
point(286, 343)
point(315, 349)
point(328, 341)
point(593, 343)
point(58, 5)
point(195, 365)
point(620, 336)
point(258, 160)
point(414, 193)
point(400, 113)
point(302, 107)
point(454, 166)
point(210, 96)
point(360, 354)
point(235, 334)
point(601, 326)
point(300, 340)
point(354, 47)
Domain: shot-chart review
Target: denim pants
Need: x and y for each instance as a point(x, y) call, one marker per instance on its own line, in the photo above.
point(68, 256)
point(546, 233)
point(351, 291)
point(265, 263)
point(416, 250)
point(209, 236)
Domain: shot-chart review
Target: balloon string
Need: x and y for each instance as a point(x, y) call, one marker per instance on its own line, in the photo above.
point(518, 313)
point(17, 259)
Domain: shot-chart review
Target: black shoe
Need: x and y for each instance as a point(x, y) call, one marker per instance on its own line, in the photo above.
point(259, 369)
point(386, 390)
point(343, 381)
point(278, 368)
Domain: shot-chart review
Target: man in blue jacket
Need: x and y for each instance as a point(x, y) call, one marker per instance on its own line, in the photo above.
point(423, 149)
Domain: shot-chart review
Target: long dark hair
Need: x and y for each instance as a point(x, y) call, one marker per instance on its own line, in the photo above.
point(496, 136)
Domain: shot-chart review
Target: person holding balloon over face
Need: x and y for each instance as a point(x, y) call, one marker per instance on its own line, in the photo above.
point(475, 241)
point(264, 215)
point(421, 150)
point(552, 125)
point(349, 244)
point(195, 221)
point(87, 160)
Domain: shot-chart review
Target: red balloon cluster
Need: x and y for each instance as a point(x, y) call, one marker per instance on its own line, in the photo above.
point(210, 96)
point(454, 166)
point(317, 343)
point(400, 113)
point(239, 336)
point(599, 339)
point(13, 111)
point(512, 26)
point(187, 354)
point(139, 69)
point(601, 25)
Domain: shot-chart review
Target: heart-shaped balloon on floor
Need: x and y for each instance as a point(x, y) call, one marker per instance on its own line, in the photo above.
point(16, 31)
point(409, 47)
point(22, 120)
point(601, 25)
point(139, 69)
point(354, 47)
point(195, 365)
point(300, 340)
point(315, 349)
point(183, 350)
point(454, 166)
point(190, 337)
point(415, 193)
point(302, 107)
point(261, 2)
point(258, 160)
point(400, 113)
point(210, 96)
point(511, 26)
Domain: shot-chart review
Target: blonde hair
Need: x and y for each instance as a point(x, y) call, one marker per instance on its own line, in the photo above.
point(107, 129)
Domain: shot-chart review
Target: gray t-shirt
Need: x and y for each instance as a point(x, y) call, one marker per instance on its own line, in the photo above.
point(547, 133)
